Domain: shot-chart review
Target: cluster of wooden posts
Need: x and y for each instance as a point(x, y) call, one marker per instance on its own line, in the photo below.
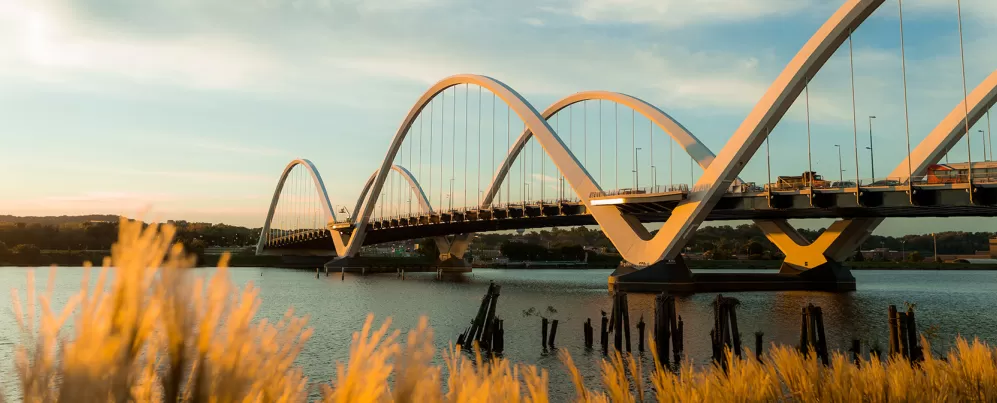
point(904, 339)
point(486, 329)
point(725, 335)
point(668, 327)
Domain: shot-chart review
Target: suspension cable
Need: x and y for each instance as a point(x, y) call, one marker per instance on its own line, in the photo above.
point(855, 125)
point(466, 101)
point(478, 184)
point(903, 74)
point(810, 166)
point(965, 97)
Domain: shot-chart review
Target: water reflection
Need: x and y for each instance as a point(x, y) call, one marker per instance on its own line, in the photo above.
point(952, 301)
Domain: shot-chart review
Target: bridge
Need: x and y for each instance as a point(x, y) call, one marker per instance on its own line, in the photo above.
point(435, 182)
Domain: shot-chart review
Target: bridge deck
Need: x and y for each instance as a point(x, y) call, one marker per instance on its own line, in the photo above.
point(950, 200)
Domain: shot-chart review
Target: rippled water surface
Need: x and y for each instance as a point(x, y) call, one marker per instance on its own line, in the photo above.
point(955, 302)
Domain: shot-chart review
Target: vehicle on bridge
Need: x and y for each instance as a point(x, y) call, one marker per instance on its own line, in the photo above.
point(959, 172)
point(809, 178)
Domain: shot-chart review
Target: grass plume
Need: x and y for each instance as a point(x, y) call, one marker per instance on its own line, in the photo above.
point(148, 330)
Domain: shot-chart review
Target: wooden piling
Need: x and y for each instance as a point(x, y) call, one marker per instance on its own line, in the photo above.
point(342, 274)
point(894, 333)
point(640, 334)
point(856, 351)
point(902, 334)
point(327, 272)
point(553, 334)
point(604, 334)
point(316, 272)
point(679, 336)
point(498, 337)
point(821, 338)
point(804, 324)
point(587, 332)
point(662, 325)
point(626, 318)
point(758, 345)
point(913, 339)
point(543, 333)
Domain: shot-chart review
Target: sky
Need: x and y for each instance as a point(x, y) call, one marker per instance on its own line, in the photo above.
point(191, 108)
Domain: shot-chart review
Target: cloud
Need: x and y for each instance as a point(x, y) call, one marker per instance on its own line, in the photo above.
point(202, 175)
point(680, 13)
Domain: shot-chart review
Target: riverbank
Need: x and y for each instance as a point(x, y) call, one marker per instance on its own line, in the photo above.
point(77, 258)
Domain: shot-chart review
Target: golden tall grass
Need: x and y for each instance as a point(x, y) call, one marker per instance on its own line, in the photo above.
point(148, 330)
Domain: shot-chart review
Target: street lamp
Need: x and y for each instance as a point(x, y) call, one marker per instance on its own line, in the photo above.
point(841, 172)
point(983, 137)
point(934, 240)
point(636, 169)
point(872, 160)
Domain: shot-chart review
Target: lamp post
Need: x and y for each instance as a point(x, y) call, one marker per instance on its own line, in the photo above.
point(636, 169)
point(983, 136)
point(934, 240)
point(872, 159)
point(841, 172)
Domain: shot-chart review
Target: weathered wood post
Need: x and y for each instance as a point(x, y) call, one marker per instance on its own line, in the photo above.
point(604, 334)
point(640, 334)
point(327, 272)
point(626, 318)
point(543, 333)
point(342, 273)
point(758, 345)
point(679, 336)
point(316, 272)
point(731, 305)
point(616, 325)
point(587, 331)
point(498, 343)
point(553, 334)
point(894, 333)
point(821, 339)
point(804, 325)
point(662, 326)
point(902, 335)
point(856, 350)
point(917, 351)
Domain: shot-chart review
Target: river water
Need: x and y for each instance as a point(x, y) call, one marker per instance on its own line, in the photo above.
point(953, 302)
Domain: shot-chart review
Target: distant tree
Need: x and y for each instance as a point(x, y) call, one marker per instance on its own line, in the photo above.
point(858, 257)
point(3, 249)
point(428, 249)
point(27, 251)
point(915, 257)
point(523, 251)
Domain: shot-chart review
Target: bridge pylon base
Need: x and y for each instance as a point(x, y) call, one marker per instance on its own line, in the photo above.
point(675, 277)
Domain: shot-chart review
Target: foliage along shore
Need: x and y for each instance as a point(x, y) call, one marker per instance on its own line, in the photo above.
point(151, 331)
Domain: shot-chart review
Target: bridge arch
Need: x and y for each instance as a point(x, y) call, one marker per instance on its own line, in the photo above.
point(556, 149)
point(320, 189)
point(685, 139)
point(634, 242)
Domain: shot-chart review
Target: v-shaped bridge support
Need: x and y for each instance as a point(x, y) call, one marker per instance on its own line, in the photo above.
point(843, 237)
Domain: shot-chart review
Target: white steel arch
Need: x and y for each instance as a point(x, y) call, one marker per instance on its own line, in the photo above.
point(456, 247)
point(634, 242)
point(323, 195)
point(685, 139)
point(581, 180)
point(843, 237)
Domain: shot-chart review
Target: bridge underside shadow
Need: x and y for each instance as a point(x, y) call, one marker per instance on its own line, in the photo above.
point(674, 276)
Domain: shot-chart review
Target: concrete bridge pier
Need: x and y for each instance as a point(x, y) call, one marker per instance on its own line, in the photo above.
point(674, 276)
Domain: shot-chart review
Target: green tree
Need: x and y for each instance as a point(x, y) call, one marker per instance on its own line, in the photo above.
point(27, 251)
point(858, 256)
point(3, 249)
point(428, 249)
point(915, 257)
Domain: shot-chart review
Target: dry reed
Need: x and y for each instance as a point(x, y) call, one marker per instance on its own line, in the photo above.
point(148, 330)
